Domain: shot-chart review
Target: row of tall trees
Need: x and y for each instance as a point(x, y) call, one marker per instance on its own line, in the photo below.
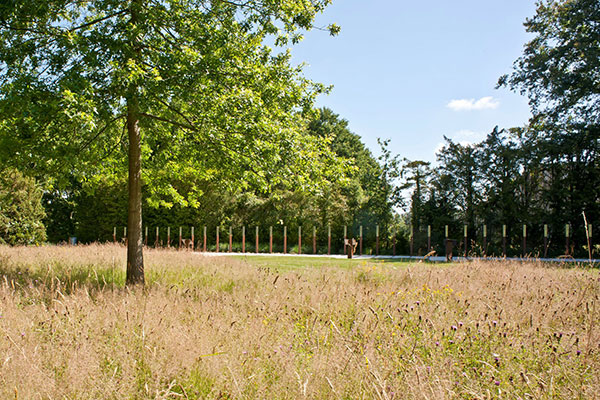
point(225, 129)
point(547, 172)
point(361, 192)
point(514, 177)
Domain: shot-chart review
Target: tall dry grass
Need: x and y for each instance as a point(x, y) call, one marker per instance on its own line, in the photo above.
point(223, 328)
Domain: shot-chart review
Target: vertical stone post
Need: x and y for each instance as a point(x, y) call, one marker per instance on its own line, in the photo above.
point(484, 240)
point(545, 240)
point(377, 240)
point(446, 240)
point(428, 238)
point(329, 239)
point(504, 241)
point(524, 240)
point(284, 239)
point(466, 238)
point(567, 250)
point(361, 240)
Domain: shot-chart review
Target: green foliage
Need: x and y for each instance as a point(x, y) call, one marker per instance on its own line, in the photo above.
point(216, 106)
point(547, 172)
point(59, 221)
point(559, 68)
point(214, 101)
point(21, 211)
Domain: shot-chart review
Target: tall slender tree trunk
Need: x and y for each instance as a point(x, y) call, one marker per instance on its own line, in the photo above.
point(135, 258)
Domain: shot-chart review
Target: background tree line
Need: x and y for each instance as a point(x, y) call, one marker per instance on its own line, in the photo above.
point(363, 194)
point(547, 172)
point(243, 168)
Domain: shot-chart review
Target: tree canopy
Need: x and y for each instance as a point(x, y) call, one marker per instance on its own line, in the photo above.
point(186, 88)
point(560, 67)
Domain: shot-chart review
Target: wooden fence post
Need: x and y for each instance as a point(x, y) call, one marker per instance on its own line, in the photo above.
point(218, 239)
point(345, 239)
point(193, 239)
point(284, 239)
point(230, 239)
point(271, 239)
point(299, 240)
point(314, 240)
point(146, 238)
point(243, 239)
point(256, 239)
point(115, 234)
point(168, 237)
point(180, 238)
point(204, 241)
point(157, 241)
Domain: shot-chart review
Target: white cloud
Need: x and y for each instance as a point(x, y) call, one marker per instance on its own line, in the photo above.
point(484, 103)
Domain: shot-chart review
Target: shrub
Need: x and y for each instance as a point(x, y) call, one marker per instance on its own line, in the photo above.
point(21, 211)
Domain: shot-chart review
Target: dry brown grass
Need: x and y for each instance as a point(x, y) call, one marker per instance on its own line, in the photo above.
point(225, 328)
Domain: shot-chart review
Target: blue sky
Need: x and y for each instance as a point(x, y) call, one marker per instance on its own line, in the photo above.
point(413, 71)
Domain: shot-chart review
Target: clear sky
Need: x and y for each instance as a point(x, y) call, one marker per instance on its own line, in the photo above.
point(413, 71)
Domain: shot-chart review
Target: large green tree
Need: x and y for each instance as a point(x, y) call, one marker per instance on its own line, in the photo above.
point(187, 88)
point(559, 71)
point(560, 67)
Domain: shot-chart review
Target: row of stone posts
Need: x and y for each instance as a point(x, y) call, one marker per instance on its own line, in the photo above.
point(567, 233)
point(190, 243)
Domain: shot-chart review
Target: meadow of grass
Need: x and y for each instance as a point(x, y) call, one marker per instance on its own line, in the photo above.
point(245, 328)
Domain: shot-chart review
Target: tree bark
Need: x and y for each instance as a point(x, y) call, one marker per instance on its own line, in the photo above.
point(135, 258)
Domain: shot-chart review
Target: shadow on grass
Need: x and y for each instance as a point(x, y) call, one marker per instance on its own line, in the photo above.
point(66, 279)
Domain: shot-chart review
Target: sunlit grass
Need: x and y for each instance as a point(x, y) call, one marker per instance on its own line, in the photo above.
point(286, 263)
point(288, 328)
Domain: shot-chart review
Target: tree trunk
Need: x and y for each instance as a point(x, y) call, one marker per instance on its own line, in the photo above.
point(135, 258)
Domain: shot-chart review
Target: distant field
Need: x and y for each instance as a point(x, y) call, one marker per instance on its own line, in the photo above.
point(287, 263)
point(290, 328)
